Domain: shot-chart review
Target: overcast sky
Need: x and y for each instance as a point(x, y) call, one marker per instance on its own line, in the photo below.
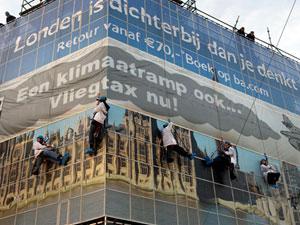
point(254, 15)
point(257, 16)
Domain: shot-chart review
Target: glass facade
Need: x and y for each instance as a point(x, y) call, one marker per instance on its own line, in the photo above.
point(130, 179)
point(154, 60)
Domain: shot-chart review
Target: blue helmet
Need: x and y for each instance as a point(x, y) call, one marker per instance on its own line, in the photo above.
point(101, 98)
point(227, 143)
point(40, 137)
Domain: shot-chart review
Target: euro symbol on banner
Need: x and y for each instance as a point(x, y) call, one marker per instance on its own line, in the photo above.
point(149, 42)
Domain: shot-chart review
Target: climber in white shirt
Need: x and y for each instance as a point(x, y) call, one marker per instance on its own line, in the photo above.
point(230, 151)
point(42, 152)
point(170, 143)
point(269, 172)
point(97, 124)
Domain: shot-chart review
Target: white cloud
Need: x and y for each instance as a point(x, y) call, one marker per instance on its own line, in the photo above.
point(257, 16)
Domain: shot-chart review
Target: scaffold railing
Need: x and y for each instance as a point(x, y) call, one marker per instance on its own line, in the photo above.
point(30, 5)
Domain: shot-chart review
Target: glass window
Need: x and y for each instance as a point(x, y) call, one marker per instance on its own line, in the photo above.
point(225, 220)
point(190, 61)
point(77, 5)
point(45, 54)
point(177, 55)
point(66, 9)
point(183, 217)
point(289, 101)
point(2, 74)
point(92, 205)
point(167, 48)
point(27, 217)
point(142, 209)
point(155, 45)
point(63, 51)
point(208, 218)
point(118, 119)
point(51, 6)
point(97, 13)
point(28, 62)
point(117, 204)
point(47, 215)
point(97, 33)
point(206, 195)
point(31, 36)
point(153, 25)
point(118, 29)
point(242, 198)
point(12, 69)
point(222, 75)
point(165, 213)
point(175, 23)
point(82, 40)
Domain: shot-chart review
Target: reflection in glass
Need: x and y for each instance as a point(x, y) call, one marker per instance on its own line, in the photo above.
point(55, 133)
point(207, 218)
point(204, 145)
point(165, 213)
point(224, 200)
point(117, 204)
point(241, 181)
point(118, 172)
point(47, 215)
point(92, 205)
point(269, 210)
point(193, 216)
point(125, 162)
point(245, 222)
point(292, 174)
point(74, 214)
point(225, 220)
point(172, 178)
point(116, 119)
point(142, 209)
point(206, 195)
point(242, 204)
point(183, 217)
point(164, 184)
point(27, 217)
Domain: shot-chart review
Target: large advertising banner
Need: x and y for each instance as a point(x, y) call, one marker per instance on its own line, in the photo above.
point(157, 27)
point(192, 42)
point(55, 91)
point(144, 83)
point(48, 33)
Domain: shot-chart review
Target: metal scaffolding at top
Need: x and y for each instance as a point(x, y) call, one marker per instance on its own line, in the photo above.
point(31, 5)
point(189, 4)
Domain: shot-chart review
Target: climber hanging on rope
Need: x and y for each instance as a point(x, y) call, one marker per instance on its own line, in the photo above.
point(43, 151)
point(170, 144)
point(97, 125)
point(226, 159)
point(270, 173)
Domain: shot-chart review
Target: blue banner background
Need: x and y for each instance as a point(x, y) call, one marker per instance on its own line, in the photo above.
point(160, 28)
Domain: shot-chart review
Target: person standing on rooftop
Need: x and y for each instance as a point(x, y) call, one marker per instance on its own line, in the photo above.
point(251, 36)
point(241, 31)
point(9, 18)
